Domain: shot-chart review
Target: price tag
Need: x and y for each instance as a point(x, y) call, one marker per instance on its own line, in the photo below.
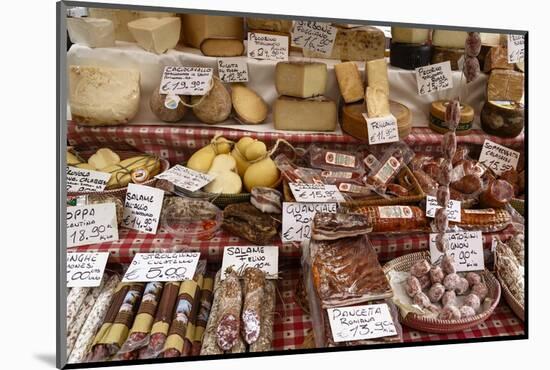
point(94, 223)
point(516, 48)
point(498, 158)
point(86, 269)
point(265, 46)
point(466, 247)
point(142, 208)
point(316, 193)
point(315, 36)
point(434, 77)
point(361, 322)
point(185, 178)
point(177, 80)
point(297, 219)
point(382, 129)
point(80, 179)
point(241, 257)
point(453, 208)
point(233, 69)
point(162, 267)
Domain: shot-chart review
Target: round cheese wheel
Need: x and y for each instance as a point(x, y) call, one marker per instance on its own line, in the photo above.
point(166, 108)
point(214, 107)
point(410, 56)
point(437, 117)
point(502, 118)
point(249, 106)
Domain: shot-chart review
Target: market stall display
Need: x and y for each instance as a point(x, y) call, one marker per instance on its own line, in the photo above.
point(374, 152)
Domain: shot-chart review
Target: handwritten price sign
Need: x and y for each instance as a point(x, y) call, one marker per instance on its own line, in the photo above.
point(80, 179)
point(269, 47)
point(453, 208)
point(297, 218)
point(162, 267)
point(315, 36)
point(185, 178)
point(142, 208)
point(233, 70)
point(316, 193)
point(90, 224)
point(349, 324)
point(85, 269)
point(434, 77)
point(382, 129)
point(516, 48)
point(465, 247)
point(498, 158)
point(263, 258)
point(178, 80)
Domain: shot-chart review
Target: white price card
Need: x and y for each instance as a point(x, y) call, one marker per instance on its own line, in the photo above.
point(90, 224)
point(85, 269)
point(185, 178)
point(142, 208)
point(434, 77)
point(316, 193)
point(233, 69)
point(382, 129)
point(349, 324)
point(498, 158)
point(261, 257)
point(466, 247)
point(177, 266)
point(316, 36)
point(453, 208)
point(266, 46)
point(178, 80)
point(298, 218)
point(80, 179)
point(516, 48)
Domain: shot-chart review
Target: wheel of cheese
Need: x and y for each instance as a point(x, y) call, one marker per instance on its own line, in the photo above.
point(353, 122)
point(410, 56)
point(437, 117)
point(440, 54)
point(502, 118)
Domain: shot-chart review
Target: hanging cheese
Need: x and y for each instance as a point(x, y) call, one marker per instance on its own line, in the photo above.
point(497, 58)
point(318, 114)
point(440, 55)
point(449, 39)
point(502, 118)
point(505, 84)
point(199, 27)
point(301, 79)
point(349, 81)
point(156, 34)
point(92, 32)
point(410, 35)
point(359, 44)
point(376, 74)
point(353, 122)
point(277, 25)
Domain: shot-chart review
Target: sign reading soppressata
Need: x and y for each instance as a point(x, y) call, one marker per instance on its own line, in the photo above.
point(453, 208)
point(434, 77)
point(80, 179)
point(316, 193)
point(260, 257)
point(185, 178)
point(91, 224)
point(466, 247)
point(142, 208)
point(177, 266)
point(516, 48)
point(85, 269)
point(233, 69)
point(266, 46)
point(498, 158)
point(297, 219)
point(316, 36)
point(353, 323)
point(178, 80)
point(382, 129)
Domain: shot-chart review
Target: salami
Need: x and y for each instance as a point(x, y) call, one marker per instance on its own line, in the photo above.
point(229, 321)
point(264, 342)
point(497, 194)
point(468, 184)
point(254, 284)
point(75, 298)
point(209, 343)
point(203, 315)
point(428, 184)
point(449, 144)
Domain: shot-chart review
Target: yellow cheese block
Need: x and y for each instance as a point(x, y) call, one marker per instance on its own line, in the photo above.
point(156, 34)
point(353, 121)
point(349, 81)
point(376, 73)
point(301, 79)
point(294, 114)
point(222, 47)
point(378, 102)
point(198, 27)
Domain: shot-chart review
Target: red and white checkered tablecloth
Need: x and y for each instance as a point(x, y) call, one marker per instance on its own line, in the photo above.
point(132, 242)
point(292, 324)
point(177, 143)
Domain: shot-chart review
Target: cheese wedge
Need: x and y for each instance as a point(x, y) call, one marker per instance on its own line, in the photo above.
point(92, 32)
point(376, 73)
point(378, 102)
point(349, 81)
point(301, 79)
point(156, 34)
point(449, 39)
point(293, 114)
point(410, 35)
point(199, 27)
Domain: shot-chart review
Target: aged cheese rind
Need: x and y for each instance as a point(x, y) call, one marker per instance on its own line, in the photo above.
point(410, 35)
point(355, 44)
point(505, 84)
point(92, 32)
point(497, 58)
point(349, 81)
point(277, 25)
point(103, 96)
point(410, 56)
point(249, 106)
point(502, 118)
point(440, 55)
point(378, 102)
point(376, 74)
point(353, 121)
point(215, 107)
point(301, 79)
point(449, 39)
point(198, 27)
point(156, 34)
point(293, 114)
point(222, 47)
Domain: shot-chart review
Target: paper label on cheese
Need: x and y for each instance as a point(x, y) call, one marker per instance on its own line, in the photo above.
point(82, 180)
point(298, 218)
point(466, 248)
point(260, 257)
point(90, 224)
point(185, 178)
point(85, 269)
point(498, 158)
point(434, 77)
point(340, 159)
point(265, 46)
point(382, 129)
point(171, 101)
point(516, 48)
point(176, 266)
point(142, 208)
point(315, 36)
point(233, 69)
point(178, 80)
point(316, 193)
point(453, 208)
point(395, 212)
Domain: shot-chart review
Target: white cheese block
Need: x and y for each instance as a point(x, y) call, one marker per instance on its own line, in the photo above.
point(491, 39)
point(103, 96)
point(378, 102)
point(410, 35)
point(156, 34)
point(198, 27)
point(376, 73)
point(121, 17)
point(294, 114)
point(449, 39)
point(301, 79)
point(92, 32)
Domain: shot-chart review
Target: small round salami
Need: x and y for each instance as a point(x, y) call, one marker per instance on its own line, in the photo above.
point(449, 312)
point(445, 173)
point(436, 292)
point(480, 290)
point(449, 298)
point(448, 265)
point(472, 46)
point(451, 281)
point(467, 311)
point(473, 278)
point(462, 286)
point(473, 301)
point(437, 275)
point(441, 220)
point(421, 300)
point(412, 286)
point(443, 196)
point(452, 114)
point(420, 268)
point(449, 144)
point(471, 68)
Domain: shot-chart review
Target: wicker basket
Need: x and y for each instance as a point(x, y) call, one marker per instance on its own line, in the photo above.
point(434, 325)
point(516, 306)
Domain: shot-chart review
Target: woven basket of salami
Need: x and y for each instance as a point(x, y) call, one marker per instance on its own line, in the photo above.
point(509, 266)
point(437, 299)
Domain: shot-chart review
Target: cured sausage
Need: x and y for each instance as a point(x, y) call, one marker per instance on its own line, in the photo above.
point(264, 342)
point(428, 184)
point(254, 284)
point(209, 343)
point(449, 144)
point(229, 321)
point(469, 184)
point(497, 194)
point(397, 219)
